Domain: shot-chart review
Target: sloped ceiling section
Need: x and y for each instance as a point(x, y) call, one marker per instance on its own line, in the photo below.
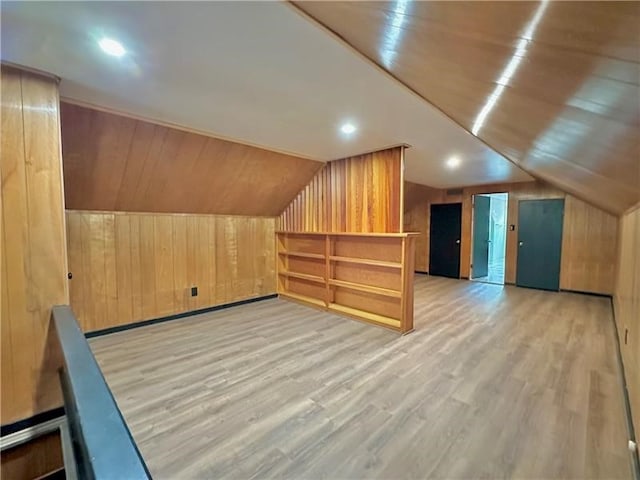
point(553, 86)
point(253, 72)
point(117, 163)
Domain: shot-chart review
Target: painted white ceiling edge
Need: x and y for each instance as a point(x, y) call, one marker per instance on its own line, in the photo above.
point(254, 72)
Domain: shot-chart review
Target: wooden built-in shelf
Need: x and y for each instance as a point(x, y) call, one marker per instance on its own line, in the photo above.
point(366, 288)
point(303, 298)
point(374, 317)
point(366, 261)
point(360, 275)
point(303, 276)
point(303, 255)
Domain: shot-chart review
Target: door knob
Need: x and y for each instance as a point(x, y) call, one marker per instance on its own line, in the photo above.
point(520, 244)
point(458, 241)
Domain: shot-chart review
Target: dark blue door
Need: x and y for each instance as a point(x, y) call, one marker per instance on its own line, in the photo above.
point(539, 243)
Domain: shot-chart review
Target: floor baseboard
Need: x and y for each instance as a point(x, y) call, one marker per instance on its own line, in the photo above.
point(144, 323)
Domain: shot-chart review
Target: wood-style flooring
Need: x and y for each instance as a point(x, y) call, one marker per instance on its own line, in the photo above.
point(495, 382)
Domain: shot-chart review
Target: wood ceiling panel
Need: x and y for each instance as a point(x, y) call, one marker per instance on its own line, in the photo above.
point(117, 163)
point(553, 86)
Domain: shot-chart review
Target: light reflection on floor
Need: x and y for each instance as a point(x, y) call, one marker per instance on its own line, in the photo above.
point(495, 273)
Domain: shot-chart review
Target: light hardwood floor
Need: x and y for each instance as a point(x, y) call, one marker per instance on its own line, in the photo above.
point(495, 382)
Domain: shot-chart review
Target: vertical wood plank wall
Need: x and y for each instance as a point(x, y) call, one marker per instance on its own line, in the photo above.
point(588, 246)
point(129, 267)
point(360, 194)
point(35, 459)
point(417, 218)
point(34, 262)
point(117, 163)
point(627, 306)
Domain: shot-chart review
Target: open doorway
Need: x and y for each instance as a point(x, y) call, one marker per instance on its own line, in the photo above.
point(489, 237)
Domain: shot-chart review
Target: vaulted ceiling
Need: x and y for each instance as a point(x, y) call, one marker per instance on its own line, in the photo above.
point(254, 72)
point(553, 86)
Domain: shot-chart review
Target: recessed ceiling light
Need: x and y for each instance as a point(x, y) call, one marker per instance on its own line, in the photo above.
point(348, 128)
point(112, 47)
point(453, 162)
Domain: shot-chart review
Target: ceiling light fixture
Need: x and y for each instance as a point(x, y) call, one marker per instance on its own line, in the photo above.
point(453, 162)
point(348, 128)
point(112, 47)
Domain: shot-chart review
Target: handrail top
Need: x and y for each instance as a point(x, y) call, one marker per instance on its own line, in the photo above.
point(93, 415)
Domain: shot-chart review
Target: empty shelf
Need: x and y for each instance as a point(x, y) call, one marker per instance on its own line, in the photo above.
point(303, 298)
point(374, 317)
point(366, 288)
point(303, 254)
point(366, 261)
point(303, 276)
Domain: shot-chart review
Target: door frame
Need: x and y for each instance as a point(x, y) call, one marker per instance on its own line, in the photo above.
point(506, 238)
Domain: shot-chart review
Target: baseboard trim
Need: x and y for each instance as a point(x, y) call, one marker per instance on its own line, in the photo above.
point(421, 272)
point(31, 422)
point(177, 316)
point(635, 455)
point(593, 294)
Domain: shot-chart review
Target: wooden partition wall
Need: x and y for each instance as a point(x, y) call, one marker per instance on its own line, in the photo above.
point(356, 194)
point(34, 262)
point(340, 245)
point(129, 267)
point(627, 306)
point(589, 239)
point(365, 276)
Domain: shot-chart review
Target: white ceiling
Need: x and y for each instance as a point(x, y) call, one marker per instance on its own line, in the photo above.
point(255, 72)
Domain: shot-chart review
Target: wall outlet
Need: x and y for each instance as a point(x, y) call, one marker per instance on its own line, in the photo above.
point(194, 291)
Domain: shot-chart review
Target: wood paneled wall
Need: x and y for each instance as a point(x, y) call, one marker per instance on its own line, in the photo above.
point(627, 306)
point(116, 163)
point(129, 267)
point(34, 459)
point(588, 246)
point(34, 262)
point(417, 218)
point(360, 194)
point(517, 192)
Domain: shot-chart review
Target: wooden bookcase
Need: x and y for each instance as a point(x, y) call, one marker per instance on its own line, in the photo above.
point(367, 276)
